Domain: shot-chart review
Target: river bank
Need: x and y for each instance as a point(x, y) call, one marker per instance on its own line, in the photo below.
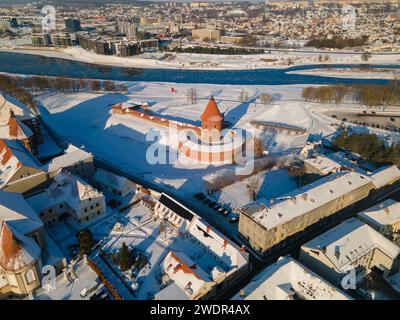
point(274, 60)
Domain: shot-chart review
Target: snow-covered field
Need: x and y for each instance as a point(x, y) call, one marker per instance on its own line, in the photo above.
point(84, 120)
point(276, 59)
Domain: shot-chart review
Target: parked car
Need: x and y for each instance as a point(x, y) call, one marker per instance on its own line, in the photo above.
point(88, 290)
point(212, 204)
point(234, 220)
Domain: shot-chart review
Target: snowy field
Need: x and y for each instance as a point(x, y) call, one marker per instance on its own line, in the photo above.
point(276, 59)
point(84, 120)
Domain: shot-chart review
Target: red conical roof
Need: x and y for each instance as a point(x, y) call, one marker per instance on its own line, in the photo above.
point(212, 112)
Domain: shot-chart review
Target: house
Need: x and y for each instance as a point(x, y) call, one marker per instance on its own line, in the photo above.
point(19, 169)
point(75, 161)
point(173, 212)
point(384, 217)
point(321, 165)
point(16, 130)
point(191, 279)
point(352, 245)
point(24, 246)
point(220, 265)
point(280, 221)
point(110, 182)
point(68, 196)
point(287, 279)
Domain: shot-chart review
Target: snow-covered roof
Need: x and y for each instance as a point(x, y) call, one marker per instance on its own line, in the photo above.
point(16, 250)
point(9, 104)
point(17, 213)
point(383, 214)
point(323, 164)
point(66, 188)
point(305, 199)
point(226, 251)
point(172, 291)
point(12, 156)
point(349, 241)
point(110, 179)
point(15, 130)
point(188, 276)
point(71, 156)
point(287, 279)
point(385, 176)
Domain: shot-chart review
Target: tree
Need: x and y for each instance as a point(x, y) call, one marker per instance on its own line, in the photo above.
point(109, 86)
point(365, 56)
point(265, 98)
point(86, 241)
point(258, 147)
point(253, 187)
point(95, 85)
point(191, 95)
point(125, 258)
point(243, 96)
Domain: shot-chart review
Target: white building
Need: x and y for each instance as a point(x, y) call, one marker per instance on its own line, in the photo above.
point(287, 279)
point(108, 181)
point(384, 217)
point(218, 263)
point(68, 196)
point(24, 247)
point(350, 246)
point(173, 212)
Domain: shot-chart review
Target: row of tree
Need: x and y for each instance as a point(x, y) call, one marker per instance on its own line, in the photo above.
point(46, 84)
point(369, 147)
point(368, 95)
point(22, 88)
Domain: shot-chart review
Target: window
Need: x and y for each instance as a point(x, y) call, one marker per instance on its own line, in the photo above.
point(50, 210)
point(30, 276)
point(61, 206)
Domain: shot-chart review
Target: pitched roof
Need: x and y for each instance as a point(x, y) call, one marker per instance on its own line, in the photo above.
point(71, 156)
point(286, 279)
point(66, 188)
point(211, 112)
point(349, 241)
point(176, 207)
point(305, 199)
point(17, 130)
point(16, 250)
point(382, 214)
point(17, 213)
point(12, 156)
point(185, 273)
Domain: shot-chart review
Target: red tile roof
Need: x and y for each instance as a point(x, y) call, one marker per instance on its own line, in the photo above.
point(9, 245)
point(212, 112)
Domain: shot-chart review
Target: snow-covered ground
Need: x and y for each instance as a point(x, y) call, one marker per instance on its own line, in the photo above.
point(123, 142)
point(276, 59)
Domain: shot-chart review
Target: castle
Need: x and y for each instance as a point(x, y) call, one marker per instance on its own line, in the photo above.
point(208, 144)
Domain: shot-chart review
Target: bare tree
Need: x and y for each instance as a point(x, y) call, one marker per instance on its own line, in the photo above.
point(265, 98)
point(258, 147)
point(253, 187)
point(243, 96)
point(191, 95)
point(365, 56)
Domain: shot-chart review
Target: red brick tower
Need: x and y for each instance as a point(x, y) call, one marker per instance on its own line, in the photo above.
point(212, 121)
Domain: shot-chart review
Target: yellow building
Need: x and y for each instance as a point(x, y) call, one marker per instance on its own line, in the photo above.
point(352, 245)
